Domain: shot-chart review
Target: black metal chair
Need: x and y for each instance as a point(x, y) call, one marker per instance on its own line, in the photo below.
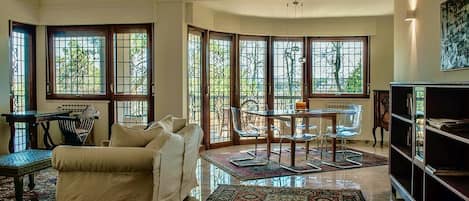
point(246, 132)
point(77, 127)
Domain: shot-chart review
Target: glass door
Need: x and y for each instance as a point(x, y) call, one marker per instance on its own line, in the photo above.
point(252, 81)
point(22, 78)
point(219, 88)
point(194, 76)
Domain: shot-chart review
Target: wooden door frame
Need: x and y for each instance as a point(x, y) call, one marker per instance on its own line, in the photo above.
point(31, 103)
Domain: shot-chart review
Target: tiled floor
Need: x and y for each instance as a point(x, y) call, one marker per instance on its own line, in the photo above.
point(373, 181)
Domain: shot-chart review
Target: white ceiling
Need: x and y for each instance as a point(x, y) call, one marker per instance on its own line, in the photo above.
point(311, 8)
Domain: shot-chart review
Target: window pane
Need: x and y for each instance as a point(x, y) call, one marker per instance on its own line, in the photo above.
point(19, 54)
point(287, 73)
point(79, 65)
point(337, 67)
point(132, 112)
point(252, 64)
point(219, 76)
point(131, 63)
point(194, 67)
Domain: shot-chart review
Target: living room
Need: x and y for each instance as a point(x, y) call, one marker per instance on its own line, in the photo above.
point(234, 100)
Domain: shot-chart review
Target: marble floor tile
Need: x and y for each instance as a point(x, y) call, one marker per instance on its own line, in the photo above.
point(373, 181)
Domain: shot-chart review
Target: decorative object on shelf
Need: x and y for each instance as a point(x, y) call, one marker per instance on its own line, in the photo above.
point(301, 105)
point(409, 104)
point(381, 113)
point(454, 30)
point(261, 193)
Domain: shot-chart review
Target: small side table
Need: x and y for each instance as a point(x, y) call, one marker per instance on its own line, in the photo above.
point(19, 164)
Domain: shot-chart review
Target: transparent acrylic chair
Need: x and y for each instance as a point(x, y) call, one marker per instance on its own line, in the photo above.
point(348, 127)
point(298, 138)
point(246, 132)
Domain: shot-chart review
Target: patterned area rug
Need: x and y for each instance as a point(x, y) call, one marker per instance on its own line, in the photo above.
point(273, 169)
point(44, 191)
point(258, 193)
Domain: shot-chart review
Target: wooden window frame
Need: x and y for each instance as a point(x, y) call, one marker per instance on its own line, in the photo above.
point(269, 84)
point(107, 31)
point(365, 67)
point(31, 29)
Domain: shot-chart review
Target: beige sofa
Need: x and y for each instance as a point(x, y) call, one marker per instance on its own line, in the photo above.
point(164, 173)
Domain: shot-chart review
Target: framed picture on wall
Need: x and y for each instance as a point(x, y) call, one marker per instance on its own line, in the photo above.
point(454, 35)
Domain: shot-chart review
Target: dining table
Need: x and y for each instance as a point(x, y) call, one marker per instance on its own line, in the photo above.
point(330, 114)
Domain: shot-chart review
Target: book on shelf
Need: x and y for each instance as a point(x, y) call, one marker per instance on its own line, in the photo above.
point(447, 171)
point(442, 122)
point(409, 103)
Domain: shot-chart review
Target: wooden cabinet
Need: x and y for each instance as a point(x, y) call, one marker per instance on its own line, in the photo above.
point(381, 112)
point(427, 161)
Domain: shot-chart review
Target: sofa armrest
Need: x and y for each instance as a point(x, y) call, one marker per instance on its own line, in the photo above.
point(102, 159)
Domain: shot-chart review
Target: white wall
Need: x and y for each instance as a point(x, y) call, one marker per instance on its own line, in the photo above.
point(380, 30)
point(25, 11)
point(417, 44)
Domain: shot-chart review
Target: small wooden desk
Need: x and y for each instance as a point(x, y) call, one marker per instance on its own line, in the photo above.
point(33, 118)
point(293, 114)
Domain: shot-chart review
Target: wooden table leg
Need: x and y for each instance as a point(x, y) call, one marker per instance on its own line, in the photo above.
point(18, 188)
point(374, 136)
point(11, 144)
point(47, 138)
point(334, 139)
point(269, 137)
point(32, 135)
point(292, 143)
point(31, 184)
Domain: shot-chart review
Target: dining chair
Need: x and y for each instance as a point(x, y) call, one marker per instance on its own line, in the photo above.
point(298, 138)
point(348, 127)
point(246, 132)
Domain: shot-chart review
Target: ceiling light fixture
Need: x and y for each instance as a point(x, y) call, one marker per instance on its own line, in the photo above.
point(297, 7)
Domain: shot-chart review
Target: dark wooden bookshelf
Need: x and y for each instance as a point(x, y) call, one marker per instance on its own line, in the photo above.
point(428, 163)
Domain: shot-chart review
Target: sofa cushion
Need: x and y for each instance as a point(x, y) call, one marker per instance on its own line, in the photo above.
point(159, 140)
point(123, 136)
point(171, 123)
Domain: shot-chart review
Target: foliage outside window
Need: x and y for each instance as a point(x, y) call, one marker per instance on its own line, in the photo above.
point(79, 64)
point(287, 73)
point(220, 88)
point(339, 66)
point(103, 62)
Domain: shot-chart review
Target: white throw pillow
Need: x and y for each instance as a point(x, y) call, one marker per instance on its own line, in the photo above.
point(123, 136)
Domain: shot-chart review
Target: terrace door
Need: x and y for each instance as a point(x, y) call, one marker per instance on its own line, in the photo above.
point(22, 78)
point(219, 89)
point(252, 79)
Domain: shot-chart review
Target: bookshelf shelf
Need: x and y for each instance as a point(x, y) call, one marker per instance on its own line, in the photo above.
point(458, 137)
point(428, 163)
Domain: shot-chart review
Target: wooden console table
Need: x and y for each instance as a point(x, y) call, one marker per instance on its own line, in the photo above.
point(381, 113)
point(33, 118)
